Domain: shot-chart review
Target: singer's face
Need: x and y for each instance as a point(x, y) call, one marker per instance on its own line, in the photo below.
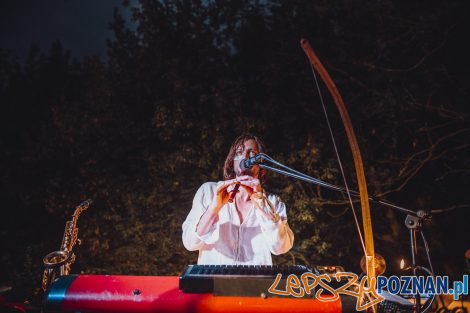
point(247, 150)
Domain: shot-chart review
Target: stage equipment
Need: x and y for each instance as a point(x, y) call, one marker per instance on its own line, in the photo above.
point(58, 263)
point(379, 263)
point(248, 280)
point(123, 293)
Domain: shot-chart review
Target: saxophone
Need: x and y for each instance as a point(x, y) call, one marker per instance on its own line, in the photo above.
point(59, 262)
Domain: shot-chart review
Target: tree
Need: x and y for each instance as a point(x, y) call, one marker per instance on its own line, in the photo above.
point(139, 133)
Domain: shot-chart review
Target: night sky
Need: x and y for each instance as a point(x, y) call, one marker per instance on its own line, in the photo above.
point(81, 26)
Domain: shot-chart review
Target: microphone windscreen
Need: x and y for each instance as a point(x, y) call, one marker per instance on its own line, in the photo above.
point(244, 164)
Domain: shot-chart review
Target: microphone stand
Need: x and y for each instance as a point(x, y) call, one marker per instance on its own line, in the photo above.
point(414, 223)
point(413, 220)
point(316, 181)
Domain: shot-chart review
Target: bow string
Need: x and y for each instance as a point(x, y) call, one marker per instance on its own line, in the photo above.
point(368, 240)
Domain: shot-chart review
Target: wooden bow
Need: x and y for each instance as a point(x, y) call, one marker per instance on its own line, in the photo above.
point(361, 179)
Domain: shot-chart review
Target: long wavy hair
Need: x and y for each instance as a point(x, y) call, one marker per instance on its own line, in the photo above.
point(229, 171)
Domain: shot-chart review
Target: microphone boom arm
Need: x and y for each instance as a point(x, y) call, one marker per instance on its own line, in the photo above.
point(304, 177)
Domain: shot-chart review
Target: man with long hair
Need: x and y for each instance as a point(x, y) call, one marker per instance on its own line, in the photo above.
point(235, 221)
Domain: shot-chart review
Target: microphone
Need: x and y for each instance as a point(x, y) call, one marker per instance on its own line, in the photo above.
point(249, 162)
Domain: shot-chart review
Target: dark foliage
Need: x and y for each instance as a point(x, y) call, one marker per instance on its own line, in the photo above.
point(138, 134)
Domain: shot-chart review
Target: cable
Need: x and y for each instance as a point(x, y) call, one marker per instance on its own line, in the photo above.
point(430, 272)
point(426, 248)
point(430, 301)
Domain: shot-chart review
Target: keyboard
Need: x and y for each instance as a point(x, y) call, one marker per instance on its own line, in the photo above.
point(243, 280)
point(144, 294)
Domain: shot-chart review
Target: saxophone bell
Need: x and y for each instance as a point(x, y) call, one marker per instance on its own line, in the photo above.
point(56, 258)
point(56, 264)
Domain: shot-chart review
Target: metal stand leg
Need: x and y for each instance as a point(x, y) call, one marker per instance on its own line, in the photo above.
point(414, 223)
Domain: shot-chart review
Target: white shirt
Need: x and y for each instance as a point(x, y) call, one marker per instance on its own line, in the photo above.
point(229, 242)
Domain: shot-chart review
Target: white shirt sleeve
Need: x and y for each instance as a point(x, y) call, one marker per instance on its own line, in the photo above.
point(191, 239)
point(279, 236)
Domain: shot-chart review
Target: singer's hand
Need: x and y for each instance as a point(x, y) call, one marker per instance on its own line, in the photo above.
point(222, 195)
point(211, 215)
point(250, 183)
